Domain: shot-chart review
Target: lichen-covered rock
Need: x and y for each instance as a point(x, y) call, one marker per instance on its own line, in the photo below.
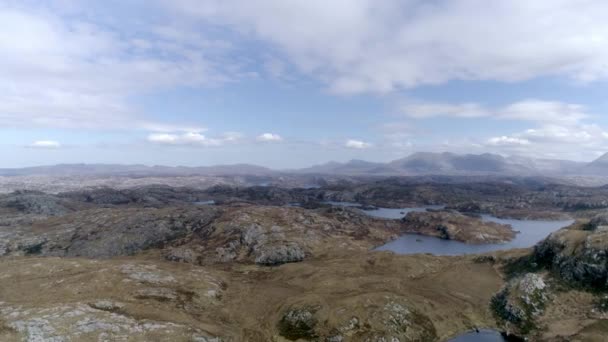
point(298, 323)
point(281, 254)
point(600, 221)
point(518, 305)
point(104, 233)
point(80, 322)
point(107, 305)
point(31, 202)
point(577, 256)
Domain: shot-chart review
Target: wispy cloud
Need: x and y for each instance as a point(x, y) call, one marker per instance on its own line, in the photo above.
point(357, 144)
point(370, 46)
point(45, 144)
point(77, 72)
point(269, 137)
point(188, 139)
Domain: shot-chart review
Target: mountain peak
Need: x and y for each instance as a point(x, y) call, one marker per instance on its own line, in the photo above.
point(603, 159)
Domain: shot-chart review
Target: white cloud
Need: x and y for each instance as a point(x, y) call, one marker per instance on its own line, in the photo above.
point(357, 144)
point(188, 138)
point(163, 138)
point(527, 110)
point(78, 71)
point(371, 46)
point(269, 137)
point(576, 141)
point(560, 129)
point(544, 111)
point(232, 136)
point(507, 141)
point(429, 110)
point(46, 144)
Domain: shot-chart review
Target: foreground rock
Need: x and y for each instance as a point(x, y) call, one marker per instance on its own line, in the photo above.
point(558, 291)
point(518, 305)
point(451, 225)
point(577, 255)
point(598, 222)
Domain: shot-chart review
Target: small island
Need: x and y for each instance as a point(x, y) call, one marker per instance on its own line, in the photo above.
point(452, 225)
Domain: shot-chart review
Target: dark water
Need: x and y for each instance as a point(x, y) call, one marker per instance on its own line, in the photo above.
point(342, 204)
point(481, 336)
point(390, 213)
point(530, 233)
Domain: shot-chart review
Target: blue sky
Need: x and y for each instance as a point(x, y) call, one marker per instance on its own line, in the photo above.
point(294, 83)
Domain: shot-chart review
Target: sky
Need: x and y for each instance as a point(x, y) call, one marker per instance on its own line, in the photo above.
point(292, 83)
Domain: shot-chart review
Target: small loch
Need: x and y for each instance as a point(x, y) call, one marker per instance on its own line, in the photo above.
point(530, 233)
point(484, 335)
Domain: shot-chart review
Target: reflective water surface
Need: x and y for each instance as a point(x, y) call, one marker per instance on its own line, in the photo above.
point(530, 233)
point(481, 336)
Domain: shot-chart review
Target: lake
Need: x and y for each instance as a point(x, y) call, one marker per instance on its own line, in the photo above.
point(481, 336)
point(530, 233)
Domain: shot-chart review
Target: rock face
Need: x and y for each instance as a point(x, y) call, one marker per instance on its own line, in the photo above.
point(518, 305)
point(455, 226)
point(30, 202)
point(577, 255)
point(600, 221)
point(276, 255)
point(103, 233)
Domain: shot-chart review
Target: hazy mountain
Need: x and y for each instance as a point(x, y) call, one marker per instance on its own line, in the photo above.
point(451, 163)
point(352, 167)
point(421, 163)
point(136, 170)
point(429, 163)
point(550, 166)
point(598, 166)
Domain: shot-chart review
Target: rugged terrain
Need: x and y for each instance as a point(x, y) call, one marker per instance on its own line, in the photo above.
point(149, 264)
point(452, 225)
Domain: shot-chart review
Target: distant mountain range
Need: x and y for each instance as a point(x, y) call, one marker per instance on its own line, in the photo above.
point(425, 163)
point(421, 163)
point(136, 170)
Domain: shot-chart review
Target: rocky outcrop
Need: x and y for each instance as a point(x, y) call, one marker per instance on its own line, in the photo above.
point(518, 305)
point(151, 195)
point(282, 254)
point(599, 221)
point(390, 320)
point(31, 202)
point(577, 255)
point(104, 233)
point(262, 244)
point(451, 225)
point(298, 323)
point(273, 236)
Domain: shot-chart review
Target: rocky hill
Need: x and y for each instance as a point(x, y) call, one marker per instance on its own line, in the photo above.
point(149, 264)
